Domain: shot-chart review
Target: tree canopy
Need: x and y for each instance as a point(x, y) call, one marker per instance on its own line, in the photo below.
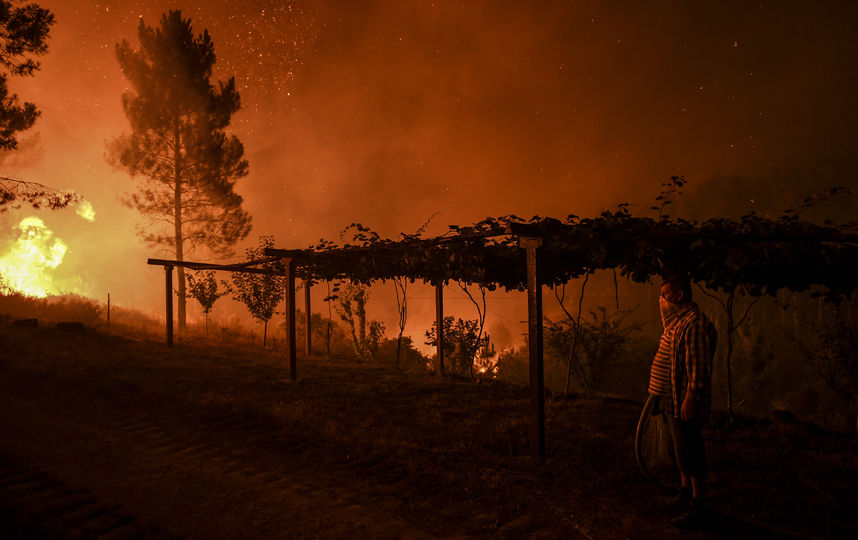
point(24, 33)
point(14, 191)
point(203, 287)
point(260, 292)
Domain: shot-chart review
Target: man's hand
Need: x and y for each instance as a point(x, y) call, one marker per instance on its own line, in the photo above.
point(688, 412)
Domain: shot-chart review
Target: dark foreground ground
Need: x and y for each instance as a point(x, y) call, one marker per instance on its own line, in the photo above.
point(111, 438)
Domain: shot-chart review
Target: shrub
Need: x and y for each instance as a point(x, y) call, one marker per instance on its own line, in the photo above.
point(608, 355)
point(462, 345)
point(836, 350)
point(53, 309)
point(410, 358)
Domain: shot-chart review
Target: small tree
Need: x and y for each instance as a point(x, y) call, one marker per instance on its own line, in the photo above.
point(332, 295)
point(732, 325)
point(260, 292)
point(605, 340)
point(483, 352)
point(400, 284)
point(574, 328)
point(351, 306)
point(204, 288)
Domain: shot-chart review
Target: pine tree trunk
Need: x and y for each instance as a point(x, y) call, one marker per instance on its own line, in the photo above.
point(264, 333)
point(177, 222)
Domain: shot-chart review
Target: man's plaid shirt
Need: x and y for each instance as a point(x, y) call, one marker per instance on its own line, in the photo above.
point(692, 350)
point(683, 361)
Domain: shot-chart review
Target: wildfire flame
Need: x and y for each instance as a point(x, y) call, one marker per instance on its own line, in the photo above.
point(26, 266)
point(86, 211)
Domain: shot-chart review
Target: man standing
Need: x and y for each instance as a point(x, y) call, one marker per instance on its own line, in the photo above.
point(681, 373)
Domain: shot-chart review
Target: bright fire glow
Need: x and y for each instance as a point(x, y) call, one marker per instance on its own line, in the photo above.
point(487, 365)
point(27, 265)
point(86, 211)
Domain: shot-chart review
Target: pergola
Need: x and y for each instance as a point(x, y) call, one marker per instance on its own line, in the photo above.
point(529, 240)
point(757, 253)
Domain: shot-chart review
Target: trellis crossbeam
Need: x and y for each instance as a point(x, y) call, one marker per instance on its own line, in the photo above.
point(246, 267)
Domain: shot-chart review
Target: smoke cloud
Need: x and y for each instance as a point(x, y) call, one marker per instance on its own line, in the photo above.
point(387, 112)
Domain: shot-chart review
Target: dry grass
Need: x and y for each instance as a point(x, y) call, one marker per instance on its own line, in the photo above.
point(446, 457)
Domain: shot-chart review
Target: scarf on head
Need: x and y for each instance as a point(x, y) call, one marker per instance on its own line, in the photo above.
point(672, 314)
point(660, 373)
point(676, 318)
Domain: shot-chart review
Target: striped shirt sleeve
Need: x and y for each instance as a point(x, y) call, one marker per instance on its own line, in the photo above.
point(659, 376)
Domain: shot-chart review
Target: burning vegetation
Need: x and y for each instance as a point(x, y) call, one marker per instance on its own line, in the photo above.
point(27, 264)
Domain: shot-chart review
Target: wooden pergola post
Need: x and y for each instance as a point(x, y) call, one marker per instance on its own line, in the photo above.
point(439, 325)
point(308, 343)
point(290, 318)
point(168, 273)
point(534, 340)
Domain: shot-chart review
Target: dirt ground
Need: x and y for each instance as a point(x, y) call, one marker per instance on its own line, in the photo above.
point(106, 437)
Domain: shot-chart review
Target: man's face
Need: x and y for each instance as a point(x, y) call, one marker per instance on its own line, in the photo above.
point(672, 293)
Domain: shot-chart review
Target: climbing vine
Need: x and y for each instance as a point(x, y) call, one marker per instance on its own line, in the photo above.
point(759, 254)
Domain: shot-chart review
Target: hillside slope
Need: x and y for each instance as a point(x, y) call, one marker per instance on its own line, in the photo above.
point(104, 435)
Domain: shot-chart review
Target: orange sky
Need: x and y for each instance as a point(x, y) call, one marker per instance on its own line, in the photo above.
point(387, 112)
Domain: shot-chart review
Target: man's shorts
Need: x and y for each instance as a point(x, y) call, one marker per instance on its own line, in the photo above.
point(689, 448)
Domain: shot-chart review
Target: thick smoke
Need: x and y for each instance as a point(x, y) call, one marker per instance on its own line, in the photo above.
point(388, 112)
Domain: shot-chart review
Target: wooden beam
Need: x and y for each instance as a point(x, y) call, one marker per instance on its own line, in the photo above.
point(534, 340)
point(287, 253)
point(302, 255)
point(289, 265)
point(439, 326)
point(238, 267)
point(523, 229)
point(308, 330)
point(168, 278)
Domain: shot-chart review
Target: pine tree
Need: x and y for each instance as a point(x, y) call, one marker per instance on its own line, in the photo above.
point(23, 33)
point(14, 191)
point(178, 149)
